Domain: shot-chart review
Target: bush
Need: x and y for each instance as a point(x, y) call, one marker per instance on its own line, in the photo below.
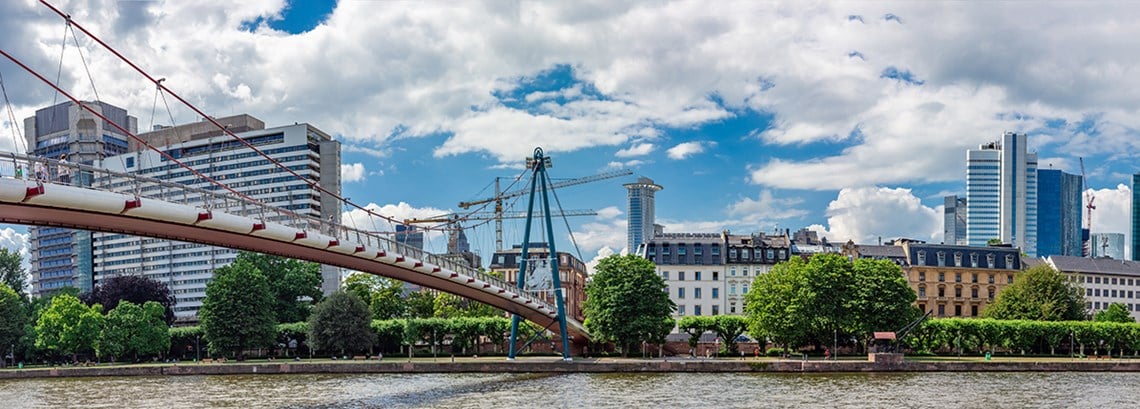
point(776, 352)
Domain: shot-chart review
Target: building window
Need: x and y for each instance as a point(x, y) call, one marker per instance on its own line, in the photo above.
point(780, 254)
point(941, 291)
point(991, 294)
point(941, 277)
point(696, 310)
point(745, 254)
point(1097, 280)
point(974, 260)
point(957, 259)
point(1009, 278)
point(990, 260)
point(958, 292)
point(991, 278)
point(665, 275)
point(957, 277)
point(973, 311)
point(941, 310)
point(732, 253)
point(744, 290)
point(681, 309)
point(1088, 292)
point(680, 276)
point(715, 250)
point(697, 293)
point(681, 250)
point(697, 275)
point(697, 250)
point(744, 272)
point(716, 276)
point(716, 310)
point(1009, 261)
point(922, 308)
point(716, 293)
point(1113, 294)
point(974, 278)
point(1096, 292)
point(732, 308)
point(771, 254)
point(732, 289)
point(922, 257)
point(681, 293)
point(652, 250)
point(941, 259)
point(921, 276)
point(1114, 281)
point(974, 292)
point(922, 291)
point(957, 310)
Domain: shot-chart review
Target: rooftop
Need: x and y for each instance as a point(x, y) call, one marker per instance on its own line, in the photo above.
point(1073, 264)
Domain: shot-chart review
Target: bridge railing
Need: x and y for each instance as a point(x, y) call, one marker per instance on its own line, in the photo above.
point(55, 171)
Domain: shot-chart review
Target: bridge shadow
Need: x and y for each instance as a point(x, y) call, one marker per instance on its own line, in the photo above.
point(437, 395)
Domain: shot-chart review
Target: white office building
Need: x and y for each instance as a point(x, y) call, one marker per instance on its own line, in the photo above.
point(1105, 281)
point(187, 267)
point(1001, 193)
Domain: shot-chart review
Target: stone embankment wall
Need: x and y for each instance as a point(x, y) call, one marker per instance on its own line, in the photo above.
point(683, 365)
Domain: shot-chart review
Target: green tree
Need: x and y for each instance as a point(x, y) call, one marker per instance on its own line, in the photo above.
point(776, 305)
point(881, 299)
point(420, 304)
point(11, 272)
point(728, 328)
point(69, 327)
point(385, 297)
point(626, 302)
point(453, 306)
point(237, 313)
point(342, 324)
point(12, 320)
point(294, 285)
point(1116, 312)
point(132, 329)
point(695, 326)
point(1042, 294)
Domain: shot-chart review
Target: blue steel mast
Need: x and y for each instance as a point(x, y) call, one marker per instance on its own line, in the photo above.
point(538, 164)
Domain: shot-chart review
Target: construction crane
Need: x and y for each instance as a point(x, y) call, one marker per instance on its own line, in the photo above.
point(499, 197)
point(1090, 199)
point(453, 219)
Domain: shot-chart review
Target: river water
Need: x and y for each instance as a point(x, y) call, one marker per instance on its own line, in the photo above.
point(671, 390)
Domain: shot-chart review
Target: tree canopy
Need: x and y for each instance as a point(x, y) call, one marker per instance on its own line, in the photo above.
point(135, 289)
point(11, 272)
point(68, 326)
point(293, 284)
point(136, 330)
point(12, 319)
point(342, 324)
point(798, 302)
point(1039, 293)
point(237, 313)
point(1116, 312)
point(627, 303)
point(384, 296)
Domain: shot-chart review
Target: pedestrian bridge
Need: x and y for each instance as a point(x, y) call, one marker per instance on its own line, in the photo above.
point(105, 201)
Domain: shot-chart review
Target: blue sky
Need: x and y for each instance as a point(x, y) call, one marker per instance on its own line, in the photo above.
point(851, 118)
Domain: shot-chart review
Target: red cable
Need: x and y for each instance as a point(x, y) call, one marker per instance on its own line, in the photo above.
point(211, 119)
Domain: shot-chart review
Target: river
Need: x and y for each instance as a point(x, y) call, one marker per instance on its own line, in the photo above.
point(670, 390)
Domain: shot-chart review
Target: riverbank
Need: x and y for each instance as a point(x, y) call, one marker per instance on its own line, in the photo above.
point(601, 365)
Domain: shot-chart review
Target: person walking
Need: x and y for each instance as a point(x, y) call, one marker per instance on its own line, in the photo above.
point(19, 171)
point(63, 170)
point(39, 169)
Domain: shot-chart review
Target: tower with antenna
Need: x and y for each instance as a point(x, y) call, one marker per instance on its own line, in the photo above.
point(1090, 205)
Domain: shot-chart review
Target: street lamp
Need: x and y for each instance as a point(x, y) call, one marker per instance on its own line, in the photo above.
point(1070, 344)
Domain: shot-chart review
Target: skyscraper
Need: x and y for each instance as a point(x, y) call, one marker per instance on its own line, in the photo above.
point(410, 235)
point(1058, 213)
point(640, 222)
point(1001, 193)
point(1136, 216)
point(1108, 245)
point(954, 220)
point(63, 257)
point(187, 267)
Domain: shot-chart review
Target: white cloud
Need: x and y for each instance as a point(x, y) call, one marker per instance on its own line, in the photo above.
point(627, 164)
point(434, 235)
point(352, 172)
point(867, 214)
point(684, 150)
point(640, 149)
point(378, 153)
point(609, 212)
point(766, 207)
point(1113, 214)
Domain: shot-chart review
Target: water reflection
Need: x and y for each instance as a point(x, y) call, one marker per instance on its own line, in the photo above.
point(672, 390)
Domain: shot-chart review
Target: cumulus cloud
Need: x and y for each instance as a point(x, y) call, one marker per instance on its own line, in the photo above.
point(867, 214)
point(766, 207)
point(686, 149)
point(627, 164)
point(360, 219)
point(352, 172)
point(640, 149)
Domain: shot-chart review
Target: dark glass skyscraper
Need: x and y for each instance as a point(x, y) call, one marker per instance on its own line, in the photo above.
point(1058, 213)
point(954, 221)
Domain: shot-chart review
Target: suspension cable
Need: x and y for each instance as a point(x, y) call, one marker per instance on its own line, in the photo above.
point(17, 140)
point(208, 118)
point(566, 220)
point(79, 50)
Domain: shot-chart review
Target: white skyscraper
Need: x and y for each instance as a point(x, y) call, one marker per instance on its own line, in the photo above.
point(1001, 193)
point(641, 217)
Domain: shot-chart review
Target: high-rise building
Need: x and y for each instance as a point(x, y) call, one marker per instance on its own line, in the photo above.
point(63, 257)
point(640, 216)
point(572, 275)
point(954, 221)
point(1058, 213)
point(1001, 194)
point(1136, 216)
point(410, 235)
point(1109, 245)
point(187, 267)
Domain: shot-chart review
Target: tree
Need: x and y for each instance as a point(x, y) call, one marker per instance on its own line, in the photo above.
point(776, 304)
point(68, 326)
point(341, 323)
point(881, 299)
point(135, 289)
point(385, 297)
point(695, 326)
point(420, 304)
point(1116, 312)
point(994, 242)
point(728, 328)
point(453, 306)
point(237, 313)
point(294, 285)
point(1040, 293)
point(11, 272)
point(627, 303)
point(12, 318)
point(132, 329)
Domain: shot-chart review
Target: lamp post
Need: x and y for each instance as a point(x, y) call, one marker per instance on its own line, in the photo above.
point(1070, 344)
point(198, 348)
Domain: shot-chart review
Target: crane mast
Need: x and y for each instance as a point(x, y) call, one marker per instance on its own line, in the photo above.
point(1090, 199)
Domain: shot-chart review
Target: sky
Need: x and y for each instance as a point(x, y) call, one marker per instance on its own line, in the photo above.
point(850, 118)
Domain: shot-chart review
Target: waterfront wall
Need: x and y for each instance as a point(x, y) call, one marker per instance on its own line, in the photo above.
point(757, 366)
